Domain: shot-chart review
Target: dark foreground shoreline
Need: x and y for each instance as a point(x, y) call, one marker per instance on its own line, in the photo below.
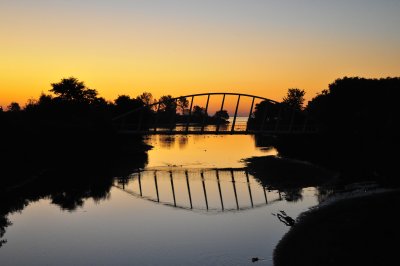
point(355, 226)
point(361, 230)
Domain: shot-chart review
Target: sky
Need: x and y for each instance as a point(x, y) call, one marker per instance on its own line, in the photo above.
point(180, 47)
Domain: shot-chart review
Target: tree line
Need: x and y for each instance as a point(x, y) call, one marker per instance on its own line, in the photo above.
point(349, 106)
point(357, 120)
point(71, 101)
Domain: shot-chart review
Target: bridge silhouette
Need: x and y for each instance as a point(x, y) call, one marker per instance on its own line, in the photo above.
point(210, 190)
point(264, 116)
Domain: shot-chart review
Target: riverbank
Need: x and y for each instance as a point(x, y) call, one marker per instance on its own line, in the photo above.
point(359, 230)
point(354, 224)
point(27, 153)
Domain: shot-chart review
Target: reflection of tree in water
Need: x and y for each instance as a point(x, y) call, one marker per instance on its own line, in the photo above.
point(287, 174)
point(324, 193)
point(293, 195)
point(68, 194)
point(183, 141)
point(4, 222)
point(71, 196)
point(166, 141)
point(68, 189)
point(9, 205)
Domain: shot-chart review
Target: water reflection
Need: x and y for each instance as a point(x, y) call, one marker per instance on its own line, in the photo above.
point(196, 202)
point(211, 151)
point(210, 190)
point(68, 187)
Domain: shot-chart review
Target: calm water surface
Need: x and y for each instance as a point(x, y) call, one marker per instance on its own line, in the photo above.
point(184, 208)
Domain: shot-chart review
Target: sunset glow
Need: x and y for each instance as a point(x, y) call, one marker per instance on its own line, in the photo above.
point(183, 47)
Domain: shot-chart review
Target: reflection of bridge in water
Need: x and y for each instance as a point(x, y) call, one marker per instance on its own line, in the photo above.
point(215, 190)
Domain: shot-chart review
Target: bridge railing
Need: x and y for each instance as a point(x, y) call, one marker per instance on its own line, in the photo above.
point(181, 116)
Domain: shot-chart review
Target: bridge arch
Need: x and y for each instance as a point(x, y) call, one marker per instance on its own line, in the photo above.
point(148, 117)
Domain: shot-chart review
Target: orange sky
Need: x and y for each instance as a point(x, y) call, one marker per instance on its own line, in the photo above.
point(254, 47)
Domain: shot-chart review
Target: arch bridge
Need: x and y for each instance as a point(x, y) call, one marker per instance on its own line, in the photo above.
point(186, 115)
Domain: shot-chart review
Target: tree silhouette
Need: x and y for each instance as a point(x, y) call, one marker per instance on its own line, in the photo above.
point(222, 114)
point(14, 107)
point(361, 115)
point(124, 104)
point(266, 113)
point(294, 98)
point(71, 89)
point(146, 98)
point(199, 112)
point(167, 104)
point(182, 103)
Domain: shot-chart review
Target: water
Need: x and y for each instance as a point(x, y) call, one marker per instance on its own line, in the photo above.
point(193, 204)
point(197, 151)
